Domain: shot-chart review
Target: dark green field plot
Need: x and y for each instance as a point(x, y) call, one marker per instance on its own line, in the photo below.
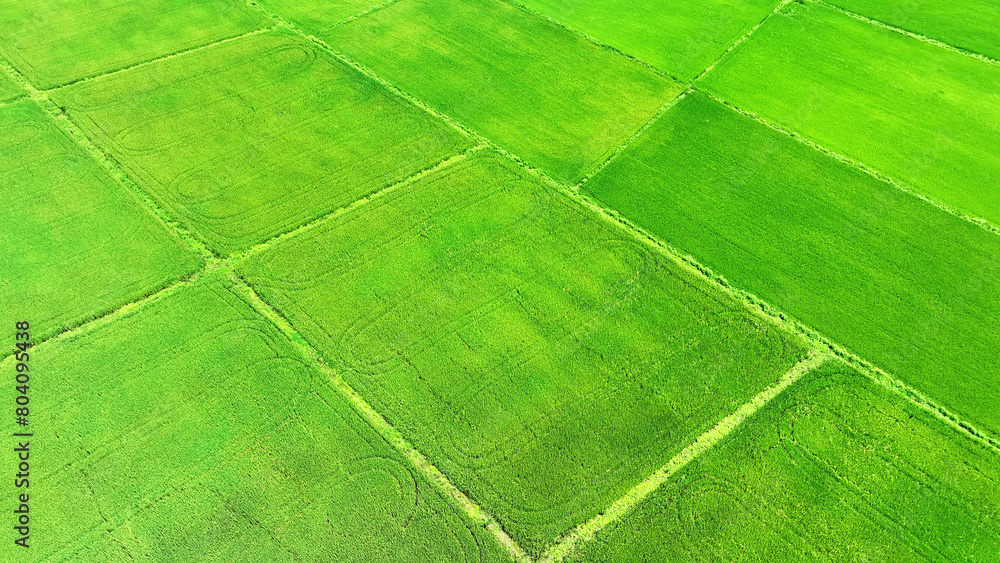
point(835, 469)
point(541, 92)
point(190, 431)
point(543, 359)
point(680, 37)
point(316, 15)
point(912, 110)
point(896, 280)
point(251, 138)
point(53, 43)
point(970, 24)
point(8, 88)
point(75, 243)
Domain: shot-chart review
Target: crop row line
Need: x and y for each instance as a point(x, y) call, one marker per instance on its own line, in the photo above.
point(386, 430)
point(908, 33)
point(858, 165)
point(621, 507)
point(18, 98)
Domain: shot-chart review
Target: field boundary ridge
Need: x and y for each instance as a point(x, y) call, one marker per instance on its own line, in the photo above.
point(361, 14)
point(161, 58)
point(107, 317)
point(638, 133)
point(360, 202)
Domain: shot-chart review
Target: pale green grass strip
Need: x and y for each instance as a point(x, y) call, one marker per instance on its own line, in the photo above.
point(379, 423)
point(917, 36)
point(637, 494)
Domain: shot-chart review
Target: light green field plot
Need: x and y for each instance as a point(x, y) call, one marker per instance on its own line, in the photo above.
point(914, 111)
point(316, 15)
point(835, 469)
point(541, 92)
point(8, 88)
point(969, 24)
point(894, 279)
point(541, 358)
point(189, 430)
point(680, 37)
point(53, 43)
point(75, 243)
point(254, 137)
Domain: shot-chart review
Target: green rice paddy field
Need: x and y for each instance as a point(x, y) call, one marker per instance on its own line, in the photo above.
point(500, 280)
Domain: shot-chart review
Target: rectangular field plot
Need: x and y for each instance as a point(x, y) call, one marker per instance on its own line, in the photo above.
point(314, 16)
point(189, 430)
point(53, 43)
point(252, 138)
point(541, 92)
point(896, 280)
point(8, 88)
point(679, 37)
point(834, 469)
point(541, 358)
point(969, 24)
point(912, 110)
point(76, 244)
